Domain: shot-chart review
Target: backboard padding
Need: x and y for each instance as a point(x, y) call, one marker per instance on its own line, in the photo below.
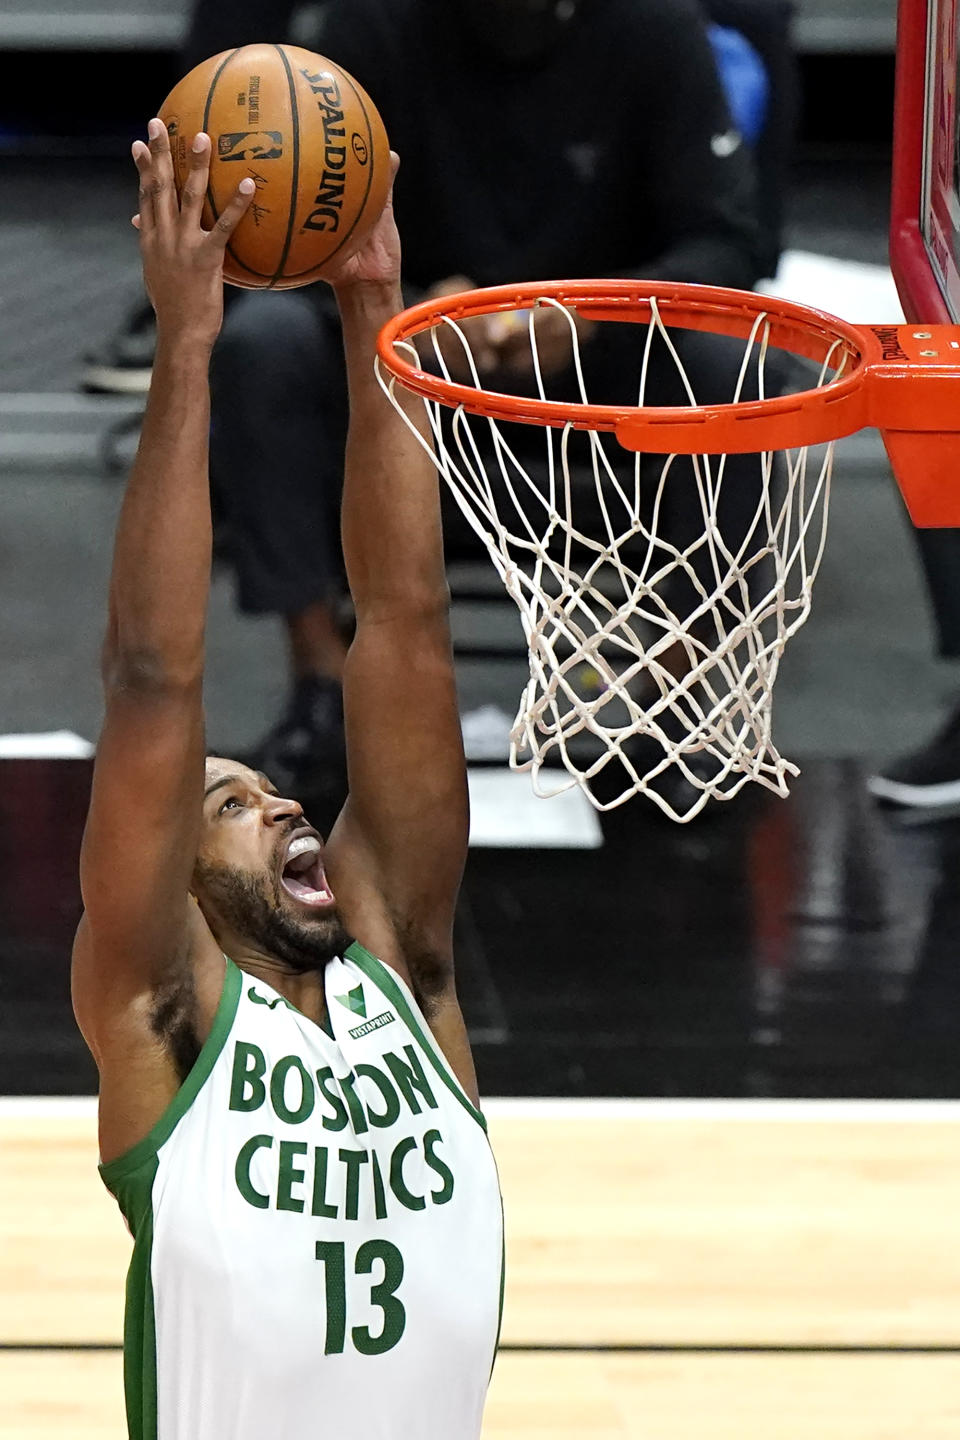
point(925, 229)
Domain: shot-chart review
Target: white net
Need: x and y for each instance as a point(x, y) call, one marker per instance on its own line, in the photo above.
point(656, 605)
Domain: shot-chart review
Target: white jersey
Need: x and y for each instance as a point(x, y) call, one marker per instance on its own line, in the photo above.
point(318, 1229)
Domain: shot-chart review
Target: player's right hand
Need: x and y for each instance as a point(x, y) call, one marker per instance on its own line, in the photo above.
point(377, 260)
point(182, 262)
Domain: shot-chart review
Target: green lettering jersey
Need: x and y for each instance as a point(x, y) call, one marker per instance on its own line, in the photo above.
point(318, 1232)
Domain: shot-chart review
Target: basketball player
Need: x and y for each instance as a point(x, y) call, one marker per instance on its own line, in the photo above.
point(288, 1107)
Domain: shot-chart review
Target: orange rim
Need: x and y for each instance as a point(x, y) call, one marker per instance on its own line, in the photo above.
point(904, 379)
point(807, 417)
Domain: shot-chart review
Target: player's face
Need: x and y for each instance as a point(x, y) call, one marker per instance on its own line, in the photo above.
point(518, 30)
point(260, 868)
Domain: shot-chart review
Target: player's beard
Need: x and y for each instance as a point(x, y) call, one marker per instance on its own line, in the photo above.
point(253, 906)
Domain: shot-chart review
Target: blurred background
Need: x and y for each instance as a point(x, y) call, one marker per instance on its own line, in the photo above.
point(767, 962)
point(815, 953)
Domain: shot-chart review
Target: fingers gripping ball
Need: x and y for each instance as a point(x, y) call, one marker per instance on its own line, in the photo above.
point(310, 139)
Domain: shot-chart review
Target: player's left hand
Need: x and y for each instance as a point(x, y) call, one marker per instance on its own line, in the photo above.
point(182, 262)
point(377, 261)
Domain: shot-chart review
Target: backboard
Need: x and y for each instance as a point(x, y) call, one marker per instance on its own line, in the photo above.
point(925, 225)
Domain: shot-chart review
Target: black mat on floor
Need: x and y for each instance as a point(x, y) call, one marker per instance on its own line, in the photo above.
point(805, 947)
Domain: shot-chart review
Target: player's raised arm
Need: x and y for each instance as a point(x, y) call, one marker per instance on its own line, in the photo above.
point(141, 835)
point(403, 834)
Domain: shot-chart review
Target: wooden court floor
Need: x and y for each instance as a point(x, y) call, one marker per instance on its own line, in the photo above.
point(764, 1271)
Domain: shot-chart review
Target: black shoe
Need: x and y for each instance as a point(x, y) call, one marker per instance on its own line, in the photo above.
point(123, 363)
point(304, 755)
point(927, 779)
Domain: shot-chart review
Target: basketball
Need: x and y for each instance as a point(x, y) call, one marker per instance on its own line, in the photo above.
point(310, 139)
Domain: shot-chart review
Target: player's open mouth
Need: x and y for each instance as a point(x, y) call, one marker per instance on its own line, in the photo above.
point(303, 875)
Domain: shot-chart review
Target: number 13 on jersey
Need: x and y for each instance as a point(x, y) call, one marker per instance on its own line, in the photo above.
point(383, 1293)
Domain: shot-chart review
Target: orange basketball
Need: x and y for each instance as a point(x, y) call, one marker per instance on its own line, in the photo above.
point(310, 139)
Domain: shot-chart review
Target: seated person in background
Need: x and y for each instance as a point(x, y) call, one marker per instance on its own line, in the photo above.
point(540, 141)
point(753, 42)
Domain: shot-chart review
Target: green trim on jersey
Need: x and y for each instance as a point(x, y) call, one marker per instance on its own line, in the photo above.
point(503, 1277)
point(134, 1158)
point(135, 1195)
point(386, 981)
point(130, 1179)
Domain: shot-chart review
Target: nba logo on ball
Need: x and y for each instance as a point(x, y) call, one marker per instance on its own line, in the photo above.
point(260, 145)
point(314, 146)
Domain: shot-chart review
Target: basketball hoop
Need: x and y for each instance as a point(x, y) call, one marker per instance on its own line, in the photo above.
point(645, 654)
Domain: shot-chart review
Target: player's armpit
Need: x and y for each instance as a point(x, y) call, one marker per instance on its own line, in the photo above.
point(145, 1042)
point(449, 1029)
